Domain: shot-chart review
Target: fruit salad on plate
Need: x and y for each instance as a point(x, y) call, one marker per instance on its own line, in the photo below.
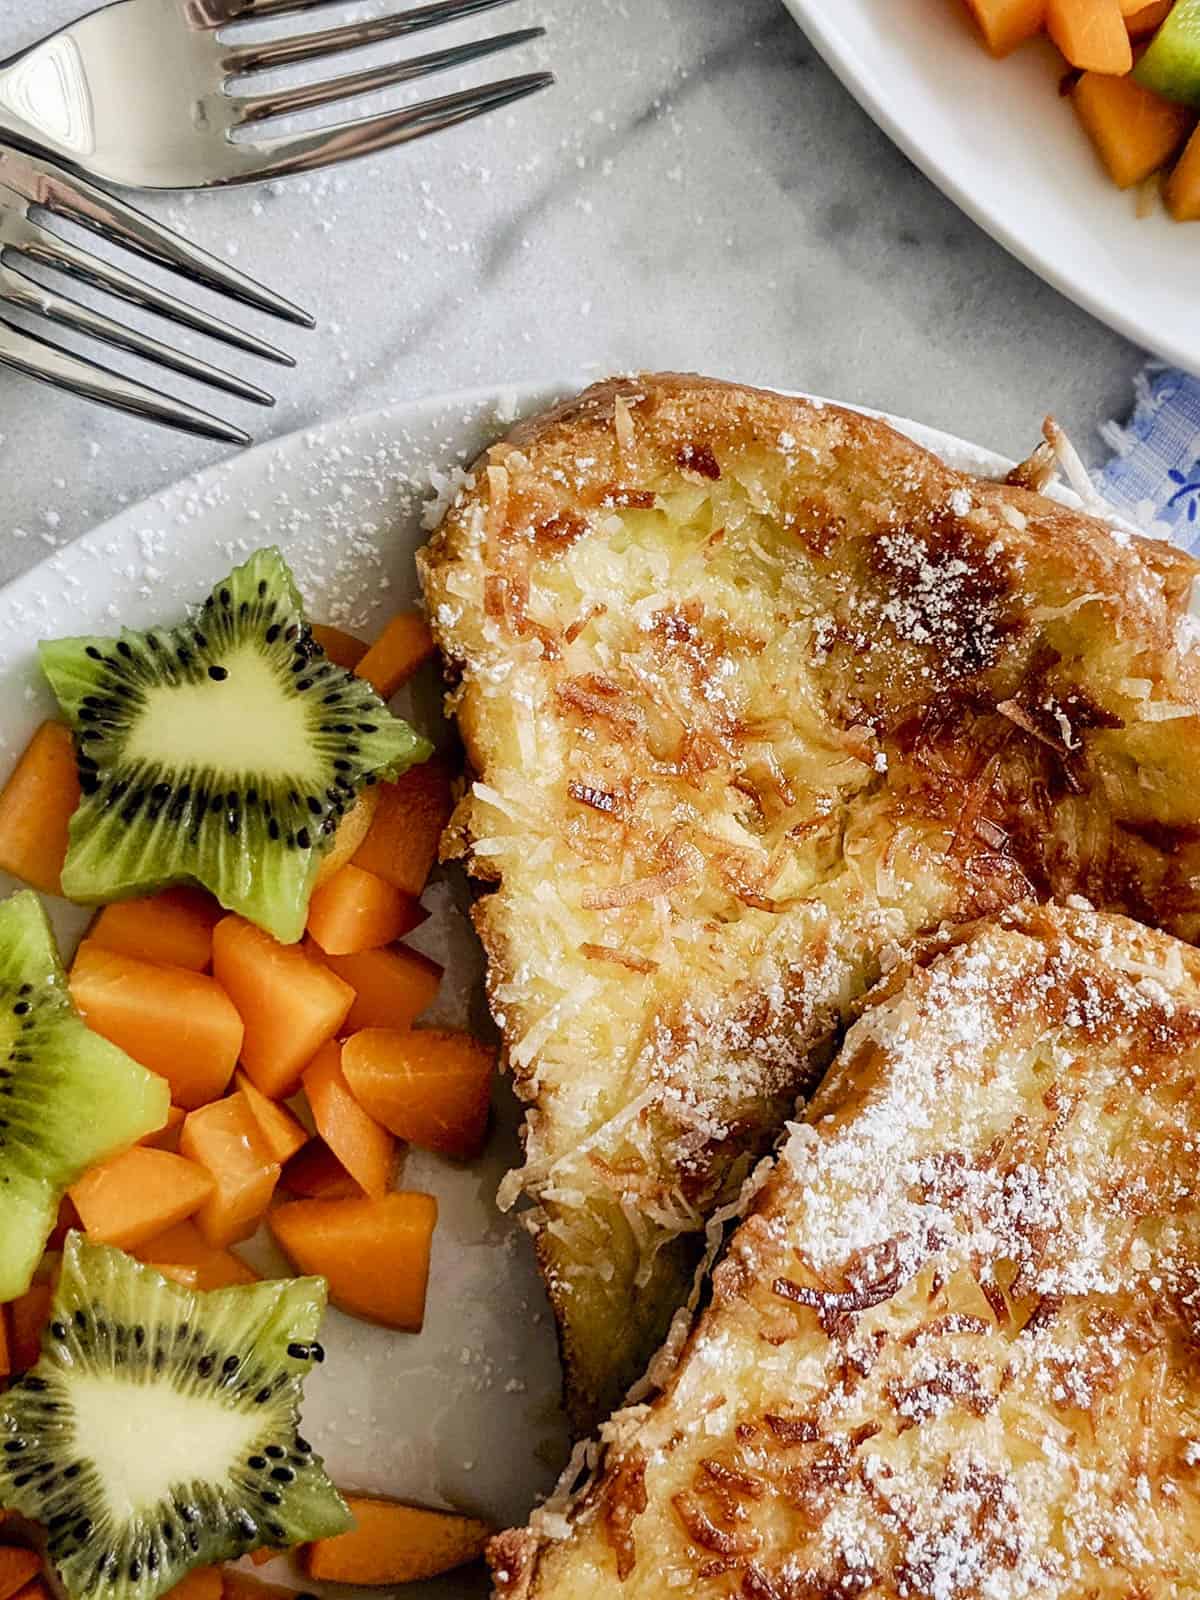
point(1133, 75)
point(232, 1046)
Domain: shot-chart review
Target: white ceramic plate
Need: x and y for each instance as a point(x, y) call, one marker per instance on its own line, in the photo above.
point(465, 1414)
point(997, 137)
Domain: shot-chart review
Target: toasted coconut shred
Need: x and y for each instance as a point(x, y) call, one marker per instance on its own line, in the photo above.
point(723, 780)
point(952, 1350)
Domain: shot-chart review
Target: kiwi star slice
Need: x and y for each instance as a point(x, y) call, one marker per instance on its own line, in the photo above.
point(158, 1432)
point(224, 751)
point(68, 1098)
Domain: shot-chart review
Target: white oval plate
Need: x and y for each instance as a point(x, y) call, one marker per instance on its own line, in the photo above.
point(465, 1414)
point(997, 137)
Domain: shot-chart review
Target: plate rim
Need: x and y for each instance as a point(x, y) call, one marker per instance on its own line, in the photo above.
point(821, 28)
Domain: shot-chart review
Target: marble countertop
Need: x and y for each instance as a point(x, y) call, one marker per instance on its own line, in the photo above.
point(697, 192)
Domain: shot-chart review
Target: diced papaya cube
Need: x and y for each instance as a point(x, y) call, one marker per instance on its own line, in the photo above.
point(1183, 186)
point(391, 987)
point(36, 1589)
point(28, 1315)
point(18, 1566)
point(180, 1024)
point(289, 1001)
point(403, 647)
point(317, 1174)
point(171, 929)
point(1134, 130)
point(205, 1583)
point(392, 1543)
point(357, 911)
point(351, 832)
point(1142, 18)
point(367, 1151)
point(1091, 34)
point(36, 807)
point(224, 1139)
point(402, 842)
point(342, 648)
point(1007, 23)
point(185, 1246)
point(128, 1200)
point(374, 1254)
point(429, 1087)
point(281, 1131)
point(167, 1137)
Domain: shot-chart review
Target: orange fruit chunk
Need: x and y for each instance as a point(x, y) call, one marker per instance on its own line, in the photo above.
point(282, 1133)
point(1005, 24)
point(391, 987)
point(224, 1139)
point(403, 647)
point(1134, 130)
point(171, 929)
point(342, 648)
point(374, 1254)
point(1183, 186)
point(357, 911)
point(402, 842)
point(185, 1246)
point(128, 1200)
point(317, 1174)
point(1091, 34)
point(180, 1024)
point(204, 1583)
point(351, 832)
point(36, 806)
point(18, 1566)
point(289, 1002)
point(395, 1543)
point(427, 1086)
point(367, 1151)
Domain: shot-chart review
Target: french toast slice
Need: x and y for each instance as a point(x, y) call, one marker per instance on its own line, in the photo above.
point(953, 1352)
point(755, 692)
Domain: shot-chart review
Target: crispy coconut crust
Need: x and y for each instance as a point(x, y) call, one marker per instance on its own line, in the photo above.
point(755, 693)
point(953, 1350)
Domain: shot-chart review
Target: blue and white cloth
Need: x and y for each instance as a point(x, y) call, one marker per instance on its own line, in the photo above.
point(1153, 478)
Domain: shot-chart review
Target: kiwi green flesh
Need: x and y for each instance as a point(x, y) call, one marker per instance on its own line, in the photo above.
point(1171, 64)
point(222, 752)
point(68, 1098)
point(159, 1430)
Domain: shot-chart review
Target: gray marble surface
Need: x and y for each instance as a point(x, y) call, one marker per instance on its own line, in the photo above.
point(698, 192)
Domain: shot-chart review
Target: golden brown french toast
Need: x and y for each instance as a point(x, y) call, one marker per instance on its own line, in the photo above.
point(954, 1351)
point(756, 692)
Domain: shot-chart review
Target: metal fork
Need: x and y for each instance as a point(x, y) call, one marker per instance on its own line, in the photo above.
point(29, 185)
point(142, 92)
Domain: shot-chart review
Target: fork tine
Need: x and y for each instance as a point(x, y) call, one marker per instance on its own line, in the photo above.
point(18, 290)
point(306, 152)
point(21, 233)
point(72, 196)
point(308, 96)
point(38, 358)
point(289, 52)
